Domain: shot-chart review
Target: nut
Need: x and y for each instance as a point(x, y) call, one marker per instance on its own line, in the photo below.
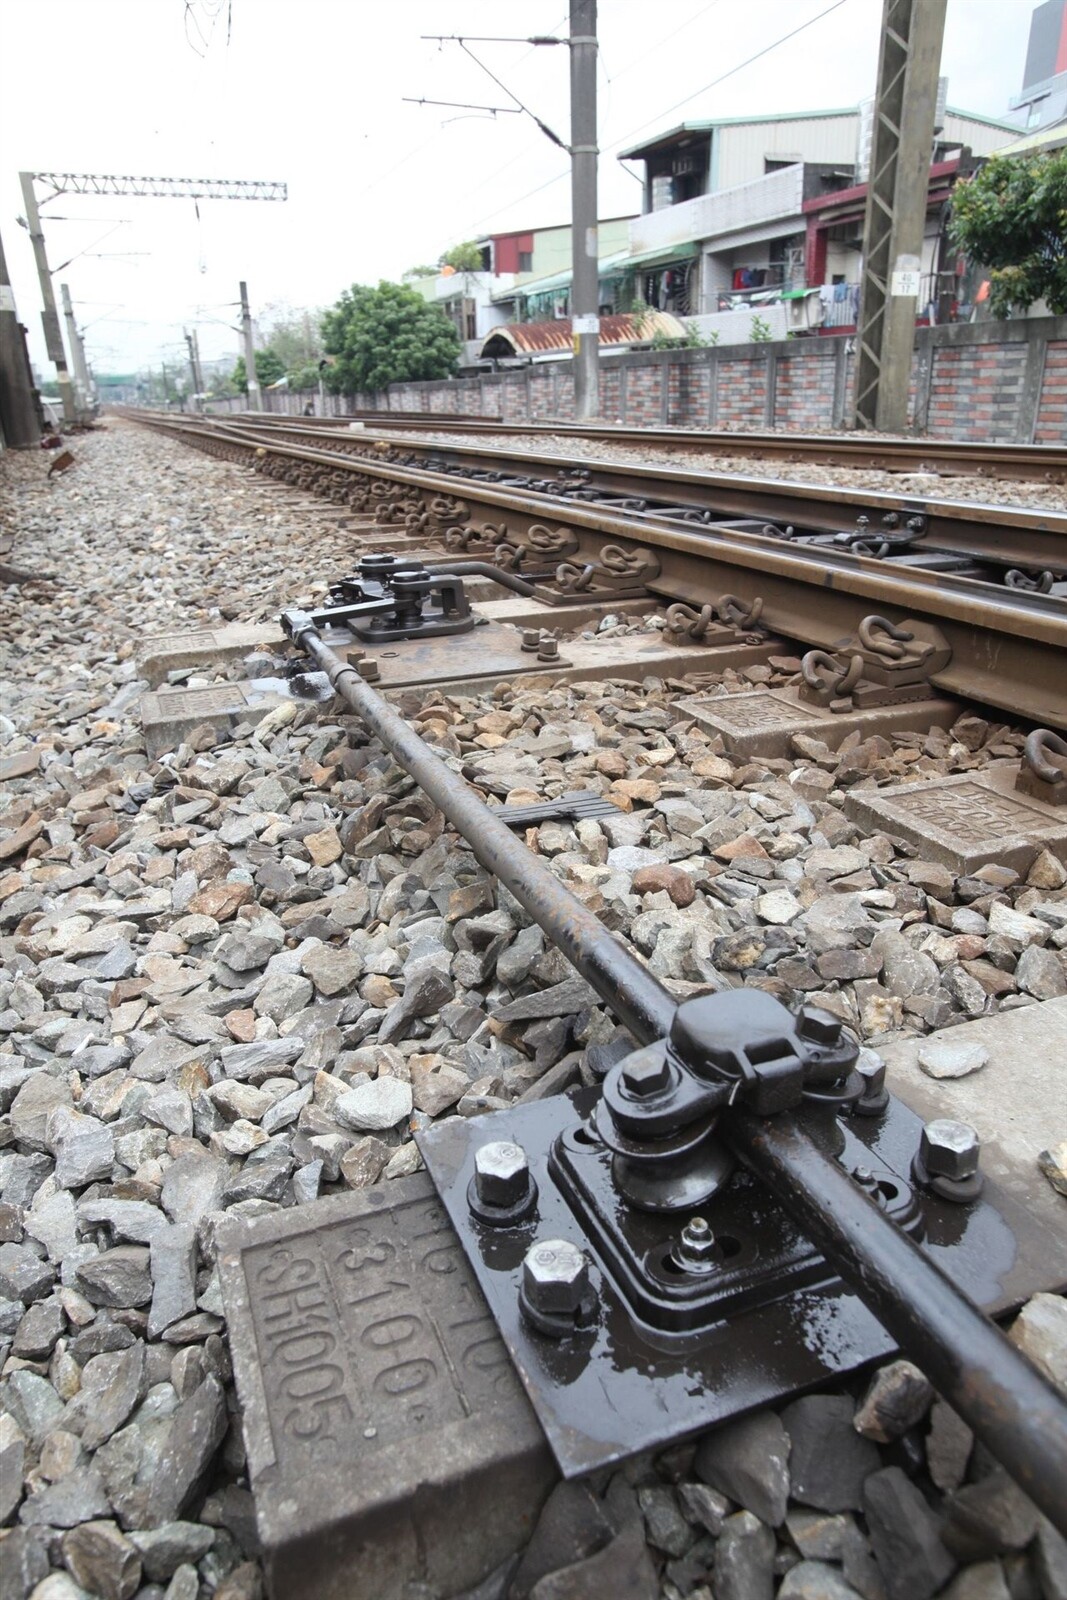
point(949, 1149)
point(645, 1072)
point(555, 1277)
point(697, 1243)
point(501, 1174)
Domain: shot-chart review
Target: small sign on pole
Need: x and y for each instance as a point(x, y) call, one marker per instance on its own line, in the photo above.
point(905, 283)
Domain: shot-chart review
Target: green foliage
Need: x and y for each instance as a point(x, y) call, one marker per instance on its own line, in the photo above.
point(386, 335)
point(422, 272)
point(466, 257)
point(304, 378)
point(294, 336)
point(691, 339)
point(269, 368)
point(1012, 218)
point(760, 332)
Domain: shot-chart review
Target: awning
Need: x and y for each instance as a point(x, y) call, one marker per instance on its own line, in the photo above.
point(666, 257)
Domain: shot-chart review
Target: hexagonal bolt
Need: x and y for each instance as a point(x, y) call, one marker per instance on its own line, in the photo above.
point(818, 1026)
point(501, 1174)
point(871, 1069)
point(949, 1149)
point(548, 649)
point(697, 1243)
point(531, 639)
point(644, 1074)
point(368, 670)
point(555, 1277)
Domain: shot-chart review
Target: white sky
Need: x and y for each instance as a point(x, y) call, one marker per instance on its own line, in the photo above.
point(310, 91)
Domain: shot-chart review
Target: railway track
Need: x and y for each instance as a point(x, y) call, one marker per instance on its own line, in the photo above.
point(718, 1201)
point(803, 556)
point(944, 457)
point(913, 529)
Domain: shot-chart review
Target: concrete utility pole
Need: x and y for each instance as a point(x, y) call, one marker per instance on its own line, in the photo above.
point(82, 380)
point(901, 147)
point(255, 397)
point(193, 346)
point(19, 418)
point(53, 337)
point(585, 280)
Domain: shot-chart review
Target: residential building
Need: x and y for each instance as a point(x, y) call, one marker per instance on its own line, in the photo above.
point(539, 252)
point(729, 205)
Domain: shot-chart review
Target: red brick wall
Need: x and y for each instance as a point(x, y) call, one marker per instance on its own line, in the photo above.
point(1052, 411)
point(982, 381)
point(975, 391)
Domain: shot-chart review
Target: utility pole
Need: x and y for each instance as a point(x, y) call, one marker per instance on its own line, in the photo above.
point(255, 398)
point(19, 418)
point(53, 337)
point(585, 277)
point(901, 146)
point(83, 382)
point(193, 346)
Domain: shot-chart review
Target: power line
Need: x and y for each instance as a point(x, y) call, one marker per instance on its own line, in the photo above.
point(639, 61)
point(741, 65)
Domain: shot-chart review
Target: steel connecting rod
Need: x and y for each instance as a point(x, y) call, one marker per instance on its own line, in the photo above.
point(1008, 1403)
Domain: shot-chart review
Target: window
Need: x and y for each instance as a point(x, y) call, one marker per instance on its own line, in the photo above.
point(525, 260)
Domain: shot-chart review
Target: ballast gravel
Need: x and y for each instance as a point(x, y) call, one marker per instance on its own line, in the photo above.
point(239, 976)
point(935, 485)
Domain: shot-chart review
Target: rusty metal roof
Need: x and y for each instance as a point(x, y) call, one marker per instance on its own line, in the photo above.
point(540, 338)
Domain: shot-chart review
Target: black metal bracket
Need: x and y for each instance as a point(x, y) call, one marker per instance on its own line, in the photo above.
point(647, 1285)
point(390, 598)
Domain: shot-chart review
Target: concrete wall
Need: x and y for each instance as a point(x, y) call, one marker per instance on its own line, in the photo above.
point(995, 381)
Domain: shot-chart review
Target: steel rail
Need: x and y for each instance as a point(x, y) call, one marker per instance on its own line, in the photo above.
point(1008, 535)
point(1009, 648)
point(1009, 1404)
point(1041, 463)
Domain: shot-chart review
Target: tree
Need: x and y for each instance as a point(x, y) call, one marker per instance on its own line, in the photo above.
point(1012, 218)
point(386, 335)
point(422, 272)
point(294, 336)
point(466, 257)
point(269, 368)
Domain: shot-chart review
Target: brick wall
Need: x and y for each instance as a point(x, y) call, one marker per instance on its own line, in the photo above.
point(986, 380)
point(1052, 408)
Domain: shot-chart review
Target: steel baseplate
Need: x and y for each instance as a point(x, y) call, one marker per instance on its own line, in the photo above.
point(659, 1354)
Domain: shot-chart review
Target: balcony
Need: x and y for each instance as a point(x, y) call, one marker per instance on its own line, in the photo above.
point(710, 216)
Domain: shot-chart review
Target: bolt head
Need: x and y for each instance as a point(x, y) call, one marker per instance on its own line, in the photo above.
point(555, 1277)
point(949, 1149)
point(501, 1174)
point(645, 1073)
point(871, 1069)
point(818, 1026)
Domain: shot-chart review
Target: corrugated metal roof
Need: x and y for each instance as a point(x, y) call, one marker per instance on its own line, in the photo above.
point(538, 338)
point(654, 140)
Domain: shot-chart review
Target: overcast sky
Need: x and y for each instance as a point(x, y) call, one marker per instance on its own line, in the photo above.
point(311, 91)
